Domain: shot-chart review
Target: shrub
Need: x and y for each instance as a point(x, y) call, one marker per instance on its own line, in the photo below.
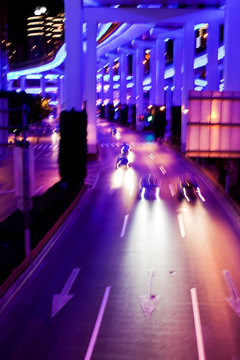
point(46, 210)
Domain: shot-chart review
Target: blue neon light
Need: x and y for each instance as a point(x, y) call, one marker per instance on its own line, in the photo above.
point(59, 58)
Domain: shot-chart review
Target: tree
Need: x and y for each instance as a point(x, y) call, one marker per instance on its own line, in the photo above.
point(72, 157)
point(38, 108)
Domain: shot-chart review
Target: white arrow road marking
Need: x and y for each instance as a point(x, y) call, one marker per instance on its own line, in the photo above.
point(97, 324)
point(234, 299)
point(59, 300)
point(198, 327)
point(124, 225)
point(148, 301)
point(162, 169)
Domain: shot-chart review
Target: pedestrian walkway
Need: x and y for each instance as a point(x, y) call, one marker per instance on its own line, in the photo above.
point(132, 144)
point(8, 198)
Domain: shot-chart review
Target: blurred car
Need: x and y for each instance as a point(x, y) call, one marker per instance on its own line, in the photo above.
point(189, 189)
point(122, 161)
point(11, 139)
point(149, 187)
point(114, 131)
point(125, 149)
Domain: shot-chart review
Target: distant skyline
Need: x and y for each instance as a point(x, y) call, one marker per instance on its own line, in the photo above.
point(17, 14)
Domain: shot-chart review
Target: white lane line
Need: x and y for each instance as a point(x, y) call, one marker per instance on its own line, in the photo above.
point(198, 327)
point(124, 225)
point(96, 180)
point(151, 156)
point(97, 324)
point(171, 189)
point(181, 225)
point(6, 191)
point(232, 289)
point(162, 169)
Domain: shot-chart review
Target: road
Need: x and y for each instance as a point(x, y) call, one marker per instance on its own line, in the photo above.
point(132, 279)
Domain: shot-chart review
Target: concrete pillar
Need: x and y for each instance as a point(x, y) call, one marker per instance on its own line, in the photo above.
point(153, 76)
point(23, 83)
point(123, 78)
point(110, 91)
point(232, 49)
point(10, 85)
point(139, 85)
point(212, 53)
point(188, 76)
point(43, 85)
point(168, 111)
point(160, 69)
point(177, 77)
point(102, 94)
point(74, 62)
point(133, 89)
point(60, 94)
point(91, 69)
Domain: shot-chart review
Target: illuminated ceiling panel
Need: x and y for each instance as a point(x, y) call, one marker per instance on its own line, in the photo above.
point(163, 3)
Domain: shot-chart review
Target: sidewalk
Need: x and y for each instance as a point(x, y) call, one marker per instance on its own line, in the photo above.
point(8, 199)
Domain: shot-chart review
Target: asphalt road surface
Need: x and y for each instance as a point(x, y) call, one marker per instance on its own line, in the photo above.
point(131, 279)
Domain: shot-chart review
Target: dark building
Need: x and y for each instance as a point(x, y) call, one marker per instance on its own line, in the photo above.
point(45, 33)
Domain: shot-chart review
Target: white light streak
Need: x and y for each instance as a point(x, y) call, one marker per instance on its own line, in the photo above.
point(162, 169)
point(181, 225)
point(171, 188)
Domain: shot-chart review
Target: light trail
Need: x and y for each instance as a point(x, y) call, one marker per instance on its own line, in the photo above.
point(181, 225)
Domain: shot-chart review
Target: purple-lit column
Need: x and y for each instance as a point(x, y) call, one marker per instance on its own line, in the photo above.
point(91, 70)
point(177, 77)
point(61, 94)
point(188, 77)
point(232, 49)
point(133, 89)
point(153, 76)
point(60, 83)
point(212, 53)
point(168, 110)
point(139, 85)
point(123, 78)
point(160, 69)
point(74, 62)
point(102, 84)
point(43, 86)
point(110, 91)
point(23, 83)
point(10, 85)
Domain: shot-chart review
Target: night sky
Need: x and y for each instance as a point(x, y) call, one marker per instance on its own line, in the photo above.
point(17, 13)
